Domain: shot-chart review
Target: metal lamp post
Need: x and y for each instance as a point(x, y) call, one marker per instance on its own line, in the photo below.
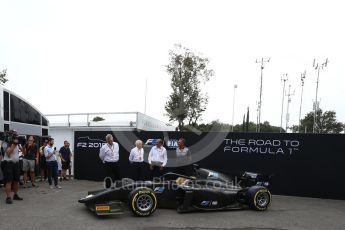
point(289, 94)
point(233, 108)
point(317, 67)
point(262, 62)
point(303, 75)
point(284, 78)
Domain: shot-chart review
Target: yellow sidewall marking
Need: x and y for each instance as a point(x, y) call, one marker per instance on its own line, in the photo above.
point(133, 201)
point(263, 191)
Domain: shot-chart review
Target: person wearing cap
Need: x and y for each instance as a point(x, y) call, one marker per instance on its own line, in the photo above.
point(11, 170)
point(109, 155)
point(52, 164)
point(158, 158)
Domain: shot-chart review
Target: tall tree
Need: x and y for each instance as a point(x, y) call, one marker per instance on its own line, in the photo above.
point(244, 123)
point(266, 127)
point(326, 122)
point(3, 78)
point(197, 105)
point(212, 126)
point(187, 71)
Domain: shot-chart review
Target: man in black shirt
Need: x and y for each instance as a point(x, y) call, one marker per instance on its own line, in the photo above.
point(30, 160)
point(65, 155)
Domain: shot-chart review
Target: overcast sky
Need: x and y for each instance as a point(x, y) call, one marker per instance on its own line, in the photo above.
point(94, 56)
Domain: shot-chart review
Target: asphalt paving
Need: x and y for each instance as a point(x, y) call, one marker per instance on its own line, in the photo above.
point(44, 208)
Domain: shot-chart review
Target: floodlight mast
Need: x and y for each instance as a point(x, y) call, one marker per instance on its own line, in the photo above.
point(284, 78)
point(233, 108)
point(262, 62)
point(303, 75)
point(317, 67)
point(289, 94)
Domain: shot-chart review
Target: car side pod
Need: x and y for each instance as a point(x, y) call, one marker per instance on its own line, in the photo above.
point(186, 206)
point(259, 198)
point(142, 201)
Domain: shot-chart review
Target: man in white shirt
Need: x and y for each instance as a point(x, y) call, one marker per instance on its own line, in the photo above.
point(136, 158)
point(52, 164)
point(184, 158)
point(157, 159)
point(109, 155)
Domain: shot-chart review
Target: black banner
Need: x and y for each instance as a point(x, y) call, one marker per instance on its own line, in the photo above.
point(302, 164)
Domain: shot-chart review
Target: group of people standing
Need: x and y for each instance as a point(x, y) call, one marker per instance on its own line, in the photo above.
point(157, 159)
point(45, 157)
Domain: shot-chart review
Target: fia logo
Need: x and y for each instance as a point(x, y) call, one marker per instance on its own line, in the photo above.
point(209, 203)
point(172, 144)
point(159, 189)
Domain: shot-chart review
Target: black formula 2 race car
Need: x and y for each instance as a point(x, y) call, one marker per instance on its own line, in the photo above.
point(206, 190)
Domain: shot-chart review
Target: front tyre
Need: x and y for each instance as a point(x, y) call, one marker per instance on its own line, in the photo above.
point(142, 201)
point(259, 198)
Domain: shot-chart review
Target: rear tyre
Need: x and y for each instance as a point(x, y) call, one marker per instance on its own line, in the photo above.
point(142, 201)
point(259, 198)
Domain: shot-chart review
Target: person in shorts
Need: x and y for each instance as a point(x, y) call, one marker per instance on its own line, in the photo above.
point(11, 170)
point(30, 160)
point(65, 156)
